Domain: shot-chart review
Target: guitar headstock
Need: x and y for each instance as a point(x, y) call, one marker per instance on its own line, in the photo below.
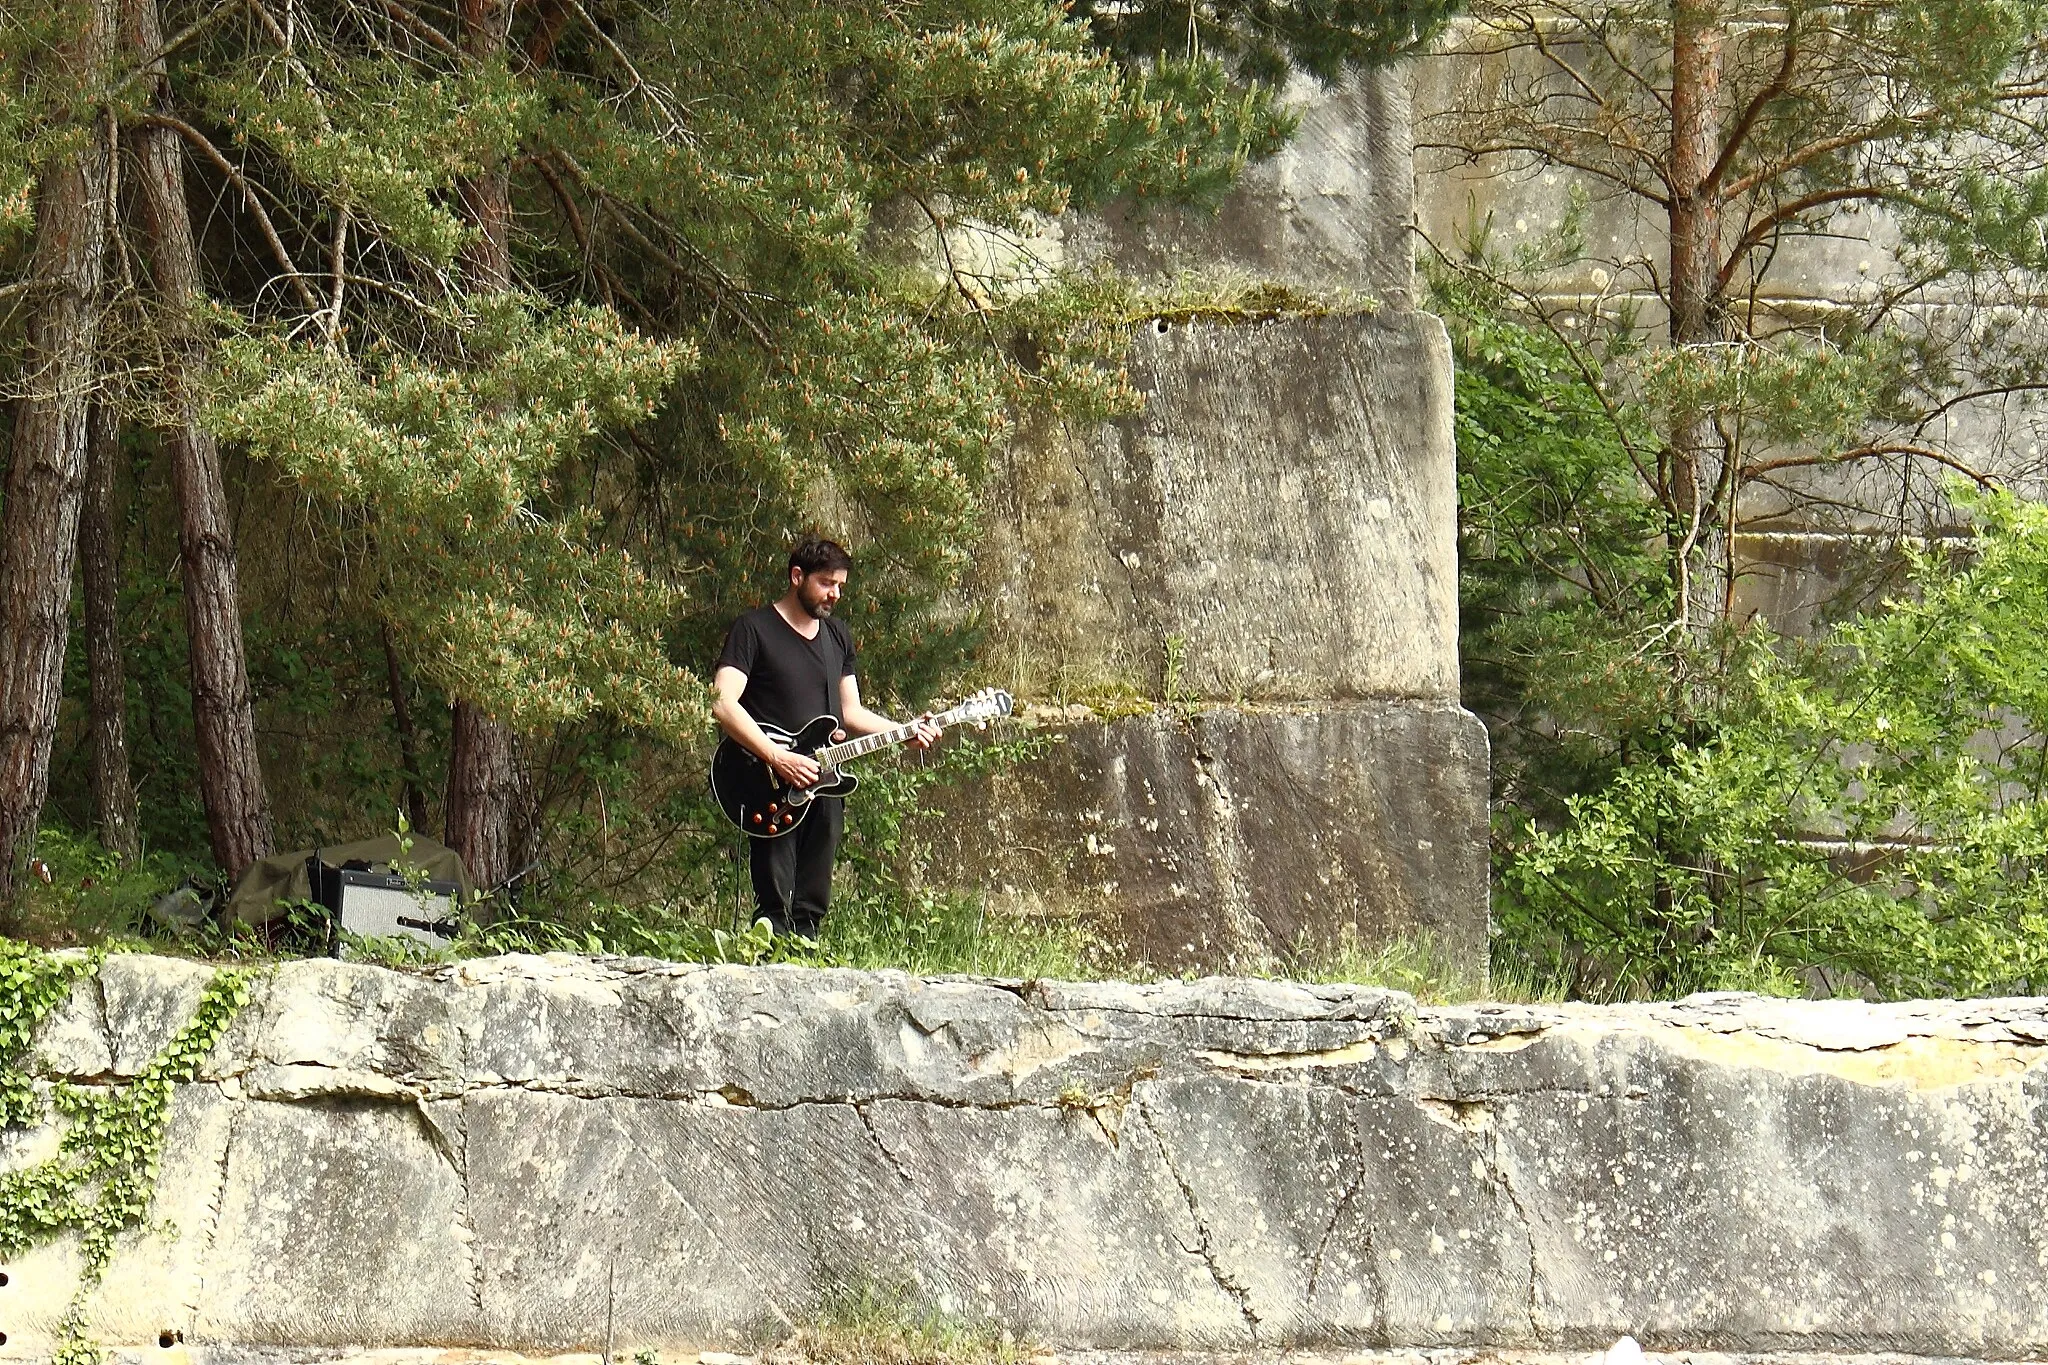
point(991, 703)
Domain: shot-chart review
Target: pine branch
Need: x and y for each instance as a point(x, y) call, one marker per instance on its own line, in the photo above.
point(1789, 210)
point(723, 291)
point(204, 146)
point(1773, 89)
point(1871, 452)
point(421, 29)
point(152, 66)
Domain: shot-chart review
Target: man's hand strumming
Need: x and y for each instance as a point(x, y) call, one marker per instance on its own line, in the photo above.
point(793, 768)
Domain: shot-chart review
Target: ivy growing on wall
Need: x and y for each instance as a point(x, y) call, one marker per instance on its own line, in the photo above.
point(32, 983)
point(100, 1180)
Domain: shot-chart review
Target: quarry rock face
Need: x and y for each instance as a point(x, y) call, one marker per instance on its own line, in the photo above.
point(1259, 572)
point(1280, 521)
point(1332, 210)
point(558, 1154)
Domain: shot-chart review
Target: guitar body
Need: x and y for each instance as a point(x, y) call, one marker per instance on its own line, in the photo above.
point(766, 807)
point(760, 803)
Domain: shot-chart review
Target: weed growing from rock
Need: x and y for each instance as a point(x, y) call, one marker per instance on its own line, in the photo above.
point(872, 1325)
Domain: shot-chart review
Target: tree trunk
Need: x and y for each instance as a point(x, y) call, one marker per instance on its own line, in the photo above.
point(46, 477)
point(410, 793)
point(1698, 495)
point(486, 799)
point(223, 711)
point(486, 796)
point(113, 790)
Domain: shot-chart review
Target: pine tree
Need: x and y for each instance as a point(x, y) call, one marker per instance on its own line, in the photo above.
point(223, 710)
point(1630, 405)
point(69, 185)
point(1736, 131)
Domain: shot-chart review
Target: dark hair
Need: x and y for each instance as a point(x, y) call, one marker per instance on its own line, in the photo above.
point(816, 554)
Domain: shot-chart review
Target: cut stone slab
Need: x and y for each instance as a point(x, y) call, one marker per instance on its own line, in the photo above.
point(794, 1353)
point(1333, 209)
point(1235, 836)
point(1270, 550)
point(675, 1158)
point(1279, 522)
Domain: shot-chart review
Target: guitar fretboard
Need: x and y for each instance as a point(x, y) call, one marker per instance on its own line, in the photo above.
point(832, 755)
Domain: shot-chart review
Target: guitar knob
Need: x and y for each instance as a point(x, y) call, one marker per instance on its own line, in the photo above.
point(772, 808)
point(757, 817)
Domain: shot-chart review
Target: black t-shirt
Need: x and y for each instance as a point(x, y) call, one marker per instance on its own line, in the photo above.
point(790, 680)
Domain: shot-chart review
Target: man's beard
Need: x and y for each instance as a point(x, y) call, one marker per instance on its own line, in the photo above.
point(818, 608)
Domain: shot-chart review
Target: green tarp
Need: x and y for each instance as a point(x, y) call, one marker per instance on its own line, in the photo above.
point(282, 876)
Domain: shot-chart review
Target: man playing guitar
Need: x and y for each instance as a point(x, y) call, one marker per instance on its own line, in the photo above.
point(782, 665)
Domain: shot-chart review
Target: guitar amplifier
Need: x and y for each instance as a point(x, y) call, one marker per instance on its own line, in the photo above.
point(377, 904)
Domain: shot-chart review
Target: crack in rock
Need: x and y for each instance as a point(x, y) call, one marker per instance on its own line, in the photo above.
point(455, 1146)
point(1315, 1268)
point(1382, 1335)
point(867, 1122)
point(215, 1206)
point(1474, 1119)
point(1477, 1119)
point(1348, 1054)
point(1205, 1247)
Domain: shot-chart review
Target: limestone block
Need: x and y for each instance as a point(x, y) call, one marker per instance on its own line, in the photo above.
point(386, 1188)
point(1234, 1165)
point(155, 1281)
point(1800, 580)
point(350, 1016)
point(1279, 522)
point(1331, 210)
point(1235, 834)
point(143, 1009)
point(900, 1196)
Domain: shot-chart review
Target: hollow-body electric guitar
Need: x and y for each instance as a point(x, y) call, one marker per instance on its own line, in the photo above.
point(766, 807)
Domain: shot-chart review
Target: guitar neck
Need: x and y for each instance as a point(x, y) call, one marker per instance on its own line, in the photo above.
point(832, 755)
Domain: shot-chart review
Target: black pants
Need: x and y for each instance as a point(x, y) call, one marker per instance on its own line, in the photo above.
point(793, 874)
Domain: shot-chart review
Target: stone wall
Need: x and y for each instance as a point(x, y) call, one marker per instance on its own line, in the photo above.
point(546, 1155)
point(1279, 523)
point(1333, 210)
point(1213, 835)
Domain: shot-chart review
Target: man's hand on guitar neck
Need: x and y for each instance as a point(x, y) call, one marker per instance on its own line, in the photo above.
point(862, 721)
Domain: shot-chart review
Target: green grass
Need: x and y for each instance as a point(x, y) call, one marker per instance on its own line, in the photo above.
point(871, 1326)
point(78, 892)
point(877, 922)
